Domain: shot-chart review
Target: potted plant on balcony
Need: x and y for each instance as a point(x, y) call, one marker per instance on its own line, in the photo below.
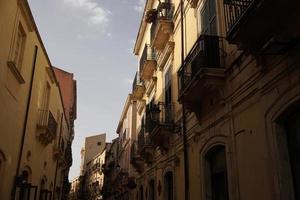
point(151, 15)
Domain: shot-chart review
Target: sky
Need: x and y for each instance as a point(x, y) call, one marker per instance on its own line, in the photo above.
point(93, 39)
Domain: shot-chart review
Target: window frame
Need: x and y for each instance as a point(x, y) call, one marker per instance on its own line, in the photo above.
point(15, 63)
point(206, 5)
point(213, 142)
point(166, 186)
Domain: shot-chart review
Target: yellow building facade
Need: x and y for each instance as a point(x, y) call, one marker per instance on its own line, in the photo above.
point(217, 93)
point(35, 145)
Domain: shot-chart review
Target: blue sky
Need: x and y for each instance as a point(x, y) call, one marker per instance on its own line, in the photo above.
point(94, 40)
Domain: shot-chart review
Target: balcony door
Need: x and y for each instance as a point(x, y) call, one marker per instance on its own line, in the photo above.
point(168, 96)
point(208, 18)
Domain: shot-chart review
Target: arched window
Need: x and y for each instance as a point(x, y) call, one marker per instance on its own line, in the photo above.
point(292, 128)
point(151, 190)
point(168, 186)
point(216, 174)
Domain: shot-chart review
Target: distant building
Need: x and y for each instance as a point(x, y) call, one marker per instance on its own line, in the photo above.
point(111, 169)
point(92, 159)
point(120, 172)
point(75, 189)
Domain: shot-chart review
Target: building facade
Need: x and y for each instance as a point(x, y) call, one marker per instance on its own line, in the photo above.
point(120, 173)
point(92, 159)
point(217, 100)
point(36, 130)
point(75, 189)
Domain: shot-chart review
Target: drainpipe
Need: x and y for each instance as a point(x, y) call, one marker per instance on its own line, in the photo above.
point(56, 168)
point(184, 136)
point(13, 192)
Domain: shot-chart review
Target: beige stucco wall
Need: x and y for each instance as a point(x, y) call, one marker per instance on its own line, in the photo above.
point(240, 121)
point(13, 101)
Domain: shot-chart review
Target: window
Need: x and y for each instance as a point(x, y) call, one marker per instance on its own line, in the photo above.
point(19, 47)
point(141, 193)
point(168, 84)
point(124, 135)
point(151, 190)
point(292, 127)
point(216, 170)
point(62, 145)
point(168, 186)
point(46, 97)
point(208, 18)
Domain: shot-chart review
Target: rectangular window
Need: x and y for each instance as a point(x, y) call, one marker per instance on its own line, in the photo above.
point(19, 47)
point(46, 98)
point(208, 18)
point(168, 89)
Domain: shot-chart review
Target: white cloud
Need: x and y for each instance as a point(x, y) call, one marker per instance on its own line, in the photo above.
point(140, 6)
point(95, 14)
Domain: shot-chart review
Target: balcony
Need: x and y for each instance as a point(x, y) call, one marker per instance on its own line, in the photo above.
point(162, 26)
point(262, 26)
point(160, 124)
point(145, 146)
point(46, 127)
point(201, 72)
point(135, 159)
point(58, 153)
point(138, 88)
point(68, 154)
point(147, 63)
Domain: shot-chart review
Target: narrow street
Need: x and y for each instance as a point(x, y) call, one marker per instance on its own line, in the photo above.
point(150, 100)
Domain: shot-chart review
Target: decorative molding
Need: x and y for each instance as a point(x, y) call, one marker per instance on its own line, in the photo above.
point(165, 54)
point(16, 72)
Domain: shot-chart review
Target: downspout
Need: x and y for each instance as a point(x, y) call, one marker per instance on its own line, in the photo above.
point(184, 136)
point(56, 168)
point(13, 192)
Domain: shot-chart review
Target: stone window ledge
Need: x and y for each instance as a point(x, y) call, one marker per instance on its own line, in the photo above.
point(12, 66)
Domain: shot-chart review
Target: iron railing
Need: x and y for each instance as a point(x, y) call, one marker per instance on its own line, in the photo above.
point(159, 115)
point(134, 151)
point(143, 140)
point(165, 11)
point(149, 53)
point(136, 82)
point(235, 10)
point(46, 119)
point(206, 53)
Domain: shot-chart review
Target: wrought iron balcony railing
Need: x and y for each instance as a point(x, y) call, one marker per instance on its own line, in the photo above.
point(235, 10)
point(135, 158)
point(138, 87)
point(206, 53)
point(147, 62)
point(47, 125)
point(164, 16)
point(143, 140)
point(145, 146)
point(159, 115)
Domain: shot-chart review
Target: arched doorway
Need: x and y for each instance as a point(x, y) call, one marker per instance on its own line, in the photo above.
point(290, 150)
point(216, 181)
